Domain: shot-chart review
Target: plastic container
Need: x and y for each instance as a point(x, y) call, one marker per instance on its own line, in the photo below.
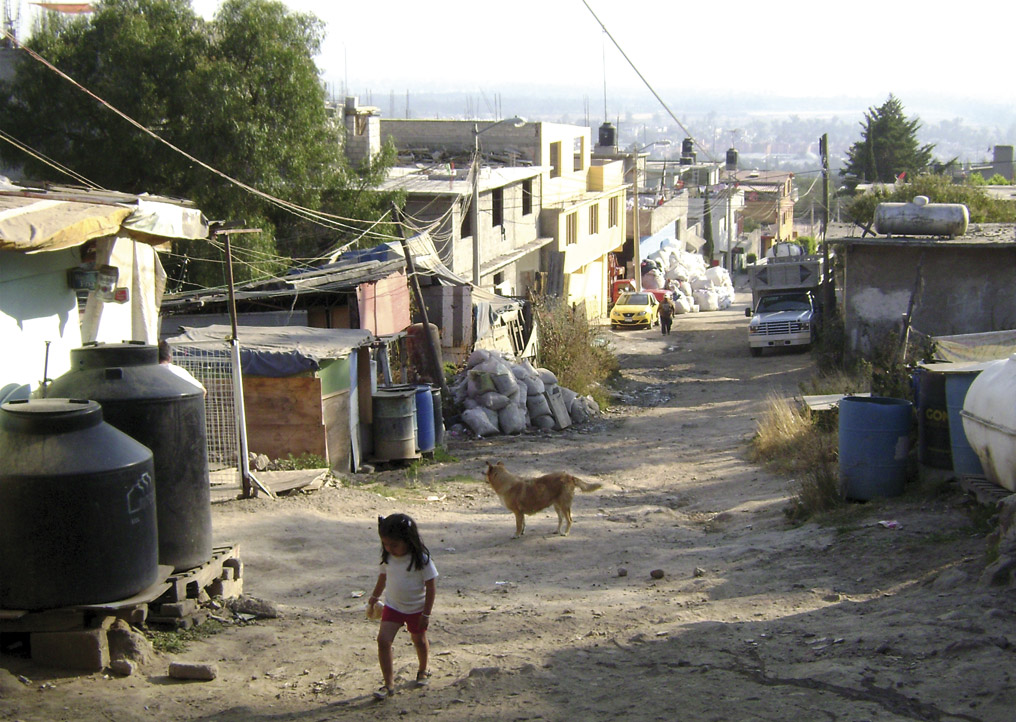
point(424, 419)
point(438, 417)
point(933, 446)
point(958, 378)
point(989, 421)
point(394, 424)
point(874, 436)
point(166, 413)
point(77, 507)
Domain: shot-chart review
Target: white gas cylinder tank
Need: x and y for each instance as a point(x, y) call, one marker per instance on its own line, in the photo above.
point(989, 420)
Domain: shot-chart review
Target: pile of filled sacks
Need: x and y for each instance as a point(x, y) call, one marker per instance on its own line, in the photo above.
point(695, 286)
point(499, 396)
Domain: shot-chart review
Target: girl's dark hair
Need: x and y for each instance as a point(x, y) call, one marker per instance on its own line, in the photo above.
point(402, 528)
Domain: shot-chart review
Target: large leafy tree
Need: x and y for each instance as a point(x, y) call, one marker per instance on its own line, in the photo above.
point(888, 146)
point(240, 93)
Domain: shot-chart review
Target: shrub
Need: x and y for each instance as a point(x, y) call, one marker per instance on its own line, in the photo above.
point(573, 349)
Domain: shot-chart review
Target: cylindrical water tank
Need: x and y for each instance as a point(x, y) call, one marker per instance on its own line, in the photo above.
point(688, 146)
point(608, 135)
point(989, 420)
point(165, 413)
point(731, 159)
point(921, 218)
point(77, 507)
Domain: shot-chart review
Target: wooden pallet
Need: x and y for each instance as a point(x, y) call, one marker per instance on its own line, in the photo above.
point(986, 492)
point(179, 605)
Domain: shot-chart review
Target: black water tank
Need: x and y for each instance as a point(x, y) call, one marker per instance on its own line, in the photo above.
point(732, 159)
point(77, 507)
point(688, 147)
point(608, 136)
point(165, 413)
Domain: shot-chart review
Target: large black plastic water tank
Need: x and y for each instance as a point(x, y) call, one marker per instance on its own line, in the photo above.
point(608, 135)
point(77, 507)
point(165, 413)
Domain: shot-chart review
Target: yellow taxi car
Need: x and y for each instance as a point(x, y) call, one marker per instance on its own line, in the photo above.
point(635, 310)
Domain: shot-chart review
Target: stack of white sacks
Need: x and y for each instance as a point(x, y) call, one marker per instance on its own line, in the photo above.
point(500, 396)
point(695, 287)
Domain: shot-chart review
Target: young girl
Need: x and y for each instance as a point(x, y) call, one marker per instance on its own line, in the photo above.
point(407, 578)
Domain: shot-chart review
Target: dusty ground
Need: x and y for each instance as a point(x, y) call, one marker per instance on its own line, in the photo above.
point(754, 620)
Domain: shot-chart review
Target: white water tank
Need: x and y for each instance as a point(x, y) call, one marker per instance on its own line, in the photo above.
point(989, 420)
point(922, 218)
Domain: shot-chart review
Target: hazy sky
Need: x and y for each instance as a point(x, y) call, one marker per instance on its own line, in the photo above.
point(795, 48)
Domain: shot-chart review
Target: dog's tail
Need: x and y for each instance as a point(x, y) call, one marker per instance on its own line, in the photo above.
point(585, 485)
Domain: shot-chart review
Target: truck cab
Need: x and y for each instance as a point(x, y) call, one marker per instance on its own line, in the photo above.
point(782, 318)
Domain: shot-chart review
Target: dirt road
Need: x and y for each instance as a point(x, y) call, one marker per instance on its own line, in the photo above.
point(752, 620)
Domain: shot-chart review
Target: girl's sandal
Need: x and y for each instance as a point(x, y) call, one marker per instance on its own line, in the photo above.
point(422, 679)
point(383, 692)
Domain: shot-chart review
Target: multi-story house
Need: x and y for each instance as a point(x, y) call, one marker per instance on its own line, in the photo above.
point(769, 200)
point(548, 213)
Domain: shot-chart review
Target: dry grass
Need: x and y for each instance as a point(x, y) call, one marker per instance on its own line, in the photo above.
point(789, 441)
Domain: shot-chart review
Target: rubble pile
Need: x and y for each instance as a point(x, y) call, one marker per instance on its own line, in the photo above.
point(696, 287)
point(499, 396)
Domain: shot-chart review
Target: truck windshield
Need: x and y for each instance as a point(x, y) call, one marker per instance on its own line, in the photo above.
point(770, 304)
point(633, 299)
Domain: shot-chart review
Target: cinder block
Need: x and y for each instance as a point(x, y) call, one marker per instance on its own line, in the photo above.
point(178, 609)
point(235, 566)
point(226, 588)
point(86, 650)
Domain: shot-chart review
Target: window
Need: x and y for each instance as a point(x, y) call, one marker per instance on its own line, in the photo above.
point(579, 147)
point(572, 228)
point(555, 160)
point(466, 227)
point(497, 214)
point(594, 219)
point(612, 207)
point(527, 196)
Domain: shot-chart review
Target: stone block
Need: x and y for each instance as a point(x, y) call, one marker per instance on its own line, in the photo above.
point(86, 650)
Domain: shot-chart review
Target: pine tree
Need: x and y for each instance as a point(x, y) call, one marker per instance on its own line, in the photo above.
point(888, 146)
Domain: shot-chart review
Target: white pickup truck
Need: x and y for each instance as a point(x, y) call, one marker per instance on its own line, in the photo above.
point(786, 318)
point(785, 309)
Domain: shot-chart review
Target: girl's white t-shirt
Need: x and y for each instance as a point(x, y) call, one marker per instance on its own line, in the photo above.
point(404, 589)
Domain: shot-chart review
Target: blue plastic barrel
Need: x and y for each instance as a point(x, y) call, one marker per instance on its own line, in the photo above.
point(424, 418)
point(874, 442)
point(964, 459)
point(438, 416)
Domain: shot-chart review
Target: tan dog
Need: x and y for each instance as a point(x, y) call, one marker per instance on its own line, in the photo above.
point(528, 496)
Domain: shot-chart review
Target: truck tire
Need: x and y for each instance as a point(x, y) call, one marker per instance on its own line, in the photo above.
point(755, 351)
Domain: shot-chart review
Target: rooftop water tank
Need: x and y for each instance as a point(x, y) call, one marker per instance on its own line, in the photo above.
point(731, 159)
point(608, 135)
point(922, 218)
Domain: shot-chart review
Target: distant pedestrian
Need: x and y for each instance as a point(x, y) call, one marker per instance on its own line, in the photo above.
point(667, 311)
point(408, 579)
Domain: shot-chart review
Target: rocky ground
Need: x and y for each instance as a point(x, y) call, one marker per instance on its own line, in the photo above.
point(753, 619)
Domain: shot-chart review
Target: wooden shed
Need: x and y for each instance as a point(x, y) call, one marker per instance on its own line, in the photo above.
point(299, 388)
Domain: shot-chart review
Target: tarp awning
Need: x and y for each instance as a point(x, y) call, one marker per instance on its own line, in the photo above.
point(31, 224)
point(280, 350)
point(973, 347)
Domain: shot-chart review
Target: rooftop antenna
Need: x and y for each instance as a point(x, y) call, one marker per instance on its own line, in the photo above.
point(603, 51)
point(11, 21)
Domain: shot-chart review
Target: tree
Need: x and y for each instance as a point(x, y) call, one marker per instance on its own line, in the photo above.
point(240, 93)
point(887, 148)
point(708, 248)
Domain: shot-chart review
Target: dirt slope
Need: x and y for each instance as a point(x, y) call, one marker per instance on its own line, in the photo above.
point(753, 620)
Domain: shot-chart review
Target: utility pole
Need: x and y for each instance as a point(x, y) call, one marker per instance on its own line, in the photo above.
point(829, 291)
